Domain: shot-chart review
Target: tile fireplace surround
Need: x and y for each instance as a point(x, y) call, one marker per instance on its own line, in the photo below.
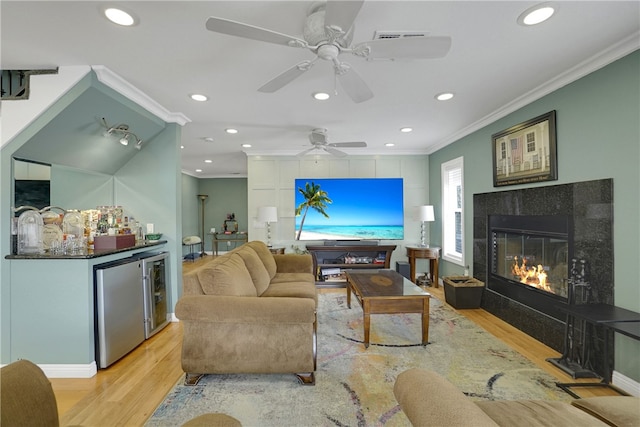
point(590, 204)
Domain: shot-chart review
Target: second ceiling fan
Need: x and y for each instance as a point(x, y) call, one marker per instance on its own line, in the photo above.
point(328, 32)
point(319, 141)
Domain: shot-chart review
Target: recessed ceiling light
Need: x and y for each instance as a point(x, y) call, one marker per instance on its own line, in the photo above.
point(182, 147)
point(198, 97)
point(231, 130)
point(389, 144)
point(246, 145)
point(536, 14)
point(208, 161)
point(119, 16)
point(208, 139)
point(445, 96)
point(198, 170)
point(321, 96)
point(406, 130)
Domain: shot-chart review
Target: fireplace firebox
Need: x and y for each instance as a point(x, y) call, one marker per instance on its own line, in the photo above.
point(529, 260)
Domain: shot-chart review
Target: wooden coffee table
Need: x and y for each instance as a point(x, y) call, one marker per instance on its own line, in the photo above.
point(387, 292)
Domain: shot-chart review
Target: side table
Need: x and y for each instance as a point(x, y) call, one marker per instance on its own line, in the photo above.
point(228, 238)
point(431, 253)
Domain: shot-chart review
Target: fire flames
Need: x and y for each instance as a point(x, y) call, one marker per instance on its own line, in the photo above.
point(532, 276)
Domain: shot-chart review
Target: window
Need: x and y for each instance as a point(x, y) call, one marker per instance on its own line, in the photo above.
point(531, 142)
point(452, 211)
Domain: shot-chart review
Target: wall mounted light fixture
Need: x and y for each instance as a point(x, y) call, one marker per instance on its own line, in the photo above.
point(123, 130)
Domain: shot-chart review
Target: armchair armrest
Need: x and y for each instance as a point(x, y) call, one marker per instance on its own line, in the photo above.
point(428, 399)
point(230, 309)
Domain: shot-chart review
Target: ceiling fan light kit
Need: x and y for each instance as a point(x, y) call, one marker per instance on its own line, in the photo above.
point(319, 141)
point(328, 32)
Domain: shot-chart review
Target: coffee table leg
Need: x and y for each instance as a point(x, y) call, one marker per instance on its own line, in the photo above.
point(366, 313)
point(348, 294)
point(425, 321)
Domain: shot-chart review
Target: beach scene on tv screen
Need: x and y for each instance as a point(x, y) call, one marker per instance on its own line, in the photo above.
point(357, 209)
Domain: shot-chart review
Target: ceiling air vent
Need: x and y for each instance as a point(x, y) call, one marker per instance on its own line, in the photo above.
point(398, 34)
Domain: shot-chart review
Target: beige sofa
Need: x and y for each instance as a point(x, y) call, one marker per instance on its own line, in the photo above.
point(430, 400)
point(250, 311)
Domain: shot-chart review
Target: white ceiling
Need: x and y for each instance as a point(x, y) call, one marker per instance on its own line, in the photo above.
point(494, 66)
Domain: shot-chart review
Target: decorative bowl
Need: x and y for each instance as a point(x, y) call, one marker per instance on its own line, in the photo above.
point(153, 236)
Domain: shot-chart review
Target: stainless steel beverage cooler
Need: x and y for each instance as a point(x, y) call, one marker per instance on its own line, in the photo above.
point(154, 284)
point(119, 309)
point(130, 304)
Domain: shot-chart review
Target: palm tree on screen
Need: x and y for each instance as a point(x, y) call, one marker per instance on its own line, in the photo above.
point(314, 198)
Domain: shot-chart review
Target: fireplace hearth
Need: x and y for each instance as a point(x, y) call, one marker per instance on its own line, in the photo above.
point(541, 231)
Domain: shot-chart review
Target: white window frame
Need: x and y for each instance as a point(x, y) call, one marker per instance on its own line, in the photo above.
point(450, 200)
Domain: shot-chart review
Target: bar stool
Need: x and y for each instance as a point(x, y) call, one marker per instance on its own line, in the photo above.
point(192, 241)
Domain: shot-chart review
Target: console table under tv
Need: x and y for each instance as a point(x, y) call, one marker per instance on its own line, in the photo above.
point(330, 258)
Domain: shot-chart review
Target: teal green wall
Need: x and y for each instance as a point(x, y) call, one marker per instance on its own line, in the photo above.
point(6, 202)
point(89, 189)
point(190, 209)
point(226, 195)
point(147, 185)
point(598, 136)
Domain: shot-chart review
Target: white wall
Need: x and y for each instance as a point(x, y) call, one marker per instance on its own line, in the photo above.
point(270, 182)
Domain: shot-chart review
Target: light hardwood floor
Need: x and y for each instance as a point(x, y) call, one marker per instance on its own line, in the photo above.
point(127, 393)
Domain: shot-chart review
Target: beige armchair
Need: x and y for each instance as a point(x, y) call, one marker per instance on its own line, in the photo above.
point(26, 397)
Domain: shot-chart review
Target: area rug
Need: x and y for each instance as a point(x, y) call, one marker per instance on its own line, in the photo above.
point(354, 385)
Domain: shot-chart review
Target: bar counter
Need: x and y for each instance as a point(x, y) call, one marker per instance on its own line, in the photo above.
point(51, 308)
point(90, 254)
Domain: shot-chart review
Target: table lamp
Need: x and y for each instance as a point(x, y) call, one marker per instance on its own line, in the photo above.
point(425, 214)
point(268, 214)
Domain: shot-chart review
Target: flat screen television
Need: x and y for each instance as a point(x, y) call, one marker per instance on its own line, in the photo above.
point(359, 209)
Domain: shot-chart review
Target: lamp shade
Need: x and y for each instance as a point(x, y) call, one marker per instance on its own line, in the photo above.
point(268, 214)
point(425, 213)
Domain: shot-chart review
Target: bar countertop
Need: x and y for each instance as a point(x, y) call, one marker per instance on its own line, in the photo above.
point(90, 254)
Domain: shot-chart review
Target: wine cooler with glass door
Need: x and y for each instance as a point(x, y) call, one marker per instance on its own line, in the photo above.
point(155, 273)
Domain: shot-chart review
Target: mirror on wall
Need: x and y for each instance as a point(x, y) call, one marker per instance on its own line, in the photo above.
point(32, 184)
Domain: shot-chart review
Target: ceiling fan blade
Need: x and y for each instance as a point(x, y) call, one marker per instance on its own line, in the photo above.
point(342, 13)
point(287, 77)
point(354, 144)
point(333, 151)
point(239, 29)
point(407, 47)
point(305, 152)
point(353, 84)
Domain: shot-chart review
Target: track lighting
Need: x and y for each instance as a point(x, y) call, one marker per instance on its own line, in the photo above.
point(122, 129)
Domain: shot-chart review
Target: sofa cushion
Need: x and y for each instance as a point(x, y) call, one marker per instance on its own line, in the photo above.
point(293, 277)
point(536, 413)
point(265, 255)
point(229, 277)
point(257, 270)
point(292, 289)
point(613, 410)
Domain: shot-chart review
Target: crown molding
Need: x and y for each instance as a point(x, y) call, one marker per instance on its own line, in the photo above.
point(588, 66)
point(123, 87)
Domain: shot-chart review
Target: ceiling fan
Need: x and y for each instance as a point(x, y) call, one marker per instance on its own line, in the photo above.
point(328, 32)
point(319, 141)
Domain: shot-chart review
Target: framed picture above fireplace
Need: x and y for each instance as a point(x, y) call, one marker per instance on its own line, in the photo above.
point(526, 152)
